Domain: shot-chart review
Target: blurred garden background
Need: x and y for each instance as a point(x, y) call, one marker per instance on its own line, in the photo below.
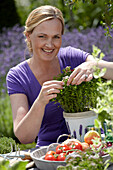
point(87, 23)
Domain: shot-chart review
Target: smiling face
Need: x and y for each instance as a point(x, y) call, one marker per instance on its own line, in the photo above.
point(46, 39)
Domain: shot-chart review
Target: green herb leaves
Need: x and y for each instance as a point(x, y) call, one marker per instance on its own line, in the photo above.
point(77, 98)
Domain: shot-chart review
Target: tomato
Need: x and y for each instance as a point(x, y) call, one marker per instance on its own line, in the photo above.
point(61, 156)
point(61, 147)
point(51, 156)
point(50, 153)
point(76, 145)
point(84, 146)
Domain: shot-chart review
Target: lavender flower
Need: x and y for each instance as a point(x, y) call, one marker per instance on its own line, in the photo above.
point(80, 130)
point(91, 36)
point(74, 134)
point(85, 130)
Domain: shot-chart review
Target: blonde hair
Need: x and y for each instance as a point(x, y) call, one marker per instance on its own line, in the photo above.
point(39, 15)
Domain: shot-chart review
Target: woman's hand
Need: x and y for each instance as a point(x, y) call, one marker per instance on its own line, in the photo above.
point(49, 90)
point(84, 72)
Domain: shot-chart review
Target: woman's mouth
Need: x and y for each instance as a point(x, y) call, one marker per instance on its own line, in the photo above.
point(48, 51)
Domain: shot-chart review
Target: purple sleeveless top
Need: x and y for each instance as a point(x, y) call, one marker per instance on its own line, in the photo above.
point(20, 79)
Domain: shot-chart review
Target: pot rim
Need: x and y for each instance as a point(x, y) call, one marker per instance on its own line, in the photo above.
point(90, 113)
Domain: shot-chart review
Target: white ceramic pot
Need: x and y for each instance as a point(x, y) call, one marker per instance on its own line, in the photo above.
point(76, 120)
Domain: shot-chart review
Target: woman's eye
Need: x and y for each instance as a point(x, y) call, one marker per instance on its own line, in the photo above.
point(56, 36)
point(41, 36)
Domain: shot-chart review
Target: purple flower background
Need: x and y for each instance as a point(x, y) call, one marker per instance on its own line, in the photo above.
point(13, 46)
point(91, 36)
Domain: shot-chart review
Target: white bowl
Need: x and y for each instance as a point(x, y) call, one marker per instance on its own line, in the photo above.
point(38, 158)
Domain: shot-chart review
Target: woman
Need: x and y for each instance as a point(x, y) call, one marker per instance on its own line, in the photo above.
point(30, 84)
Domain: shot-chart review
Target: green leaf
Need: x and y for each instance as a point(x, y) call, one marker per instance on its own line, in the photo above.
point(102, 72)
point(101, 56)
point(97, 123)
point(96, 51)
point(4, 164)
point(19, 165)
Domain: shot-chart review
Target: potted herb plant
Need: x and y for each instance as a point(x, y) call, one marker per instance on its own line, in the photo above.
point(78, 100)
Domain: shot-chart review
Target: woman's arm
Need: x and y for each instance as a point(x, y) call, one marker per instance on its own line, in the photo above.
point(103, 64)
point(86, 70)
point(27, 122)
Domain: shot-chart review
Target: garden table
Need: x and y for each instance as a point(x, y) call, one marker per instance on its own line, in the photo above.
point(110, 168)
point(35, 168)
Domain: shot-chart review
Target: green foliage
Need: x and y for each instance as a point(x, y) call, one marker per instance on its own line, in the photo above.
point(77, 98)
point(6, 144)
point(7, 12)
point(24, 8)
point(27, 146)
point(104, 106)
point(20, 165)
point(98, 55)
point(81, 16)
point(78, 14)
point(100, 11)
point(6, 122)
point(23, 11)
point(108, 16)
point(82, 97)
point(87, 14)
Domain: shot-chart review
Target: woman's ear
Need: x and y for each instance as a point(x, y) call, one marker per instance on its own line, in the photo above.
point(28, 36)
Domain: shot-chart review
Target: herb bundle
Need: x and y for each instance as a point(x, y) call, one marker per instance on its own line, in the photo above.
point(77, 98)
point(5, 145)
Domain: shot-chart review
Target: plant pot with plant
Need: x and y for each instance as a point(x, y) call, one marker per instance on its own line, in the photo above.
point(78, 102)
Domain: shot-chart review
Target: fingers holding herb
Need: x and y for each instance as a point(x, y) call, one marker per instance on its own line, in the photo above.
point(52, 91)
point(79, 79)
point(49, 90)
point(90, 77)
point(79, 74)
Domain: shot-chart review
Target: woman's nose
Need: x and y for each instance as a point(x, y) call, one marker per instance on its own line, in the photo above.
point(49, 43)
